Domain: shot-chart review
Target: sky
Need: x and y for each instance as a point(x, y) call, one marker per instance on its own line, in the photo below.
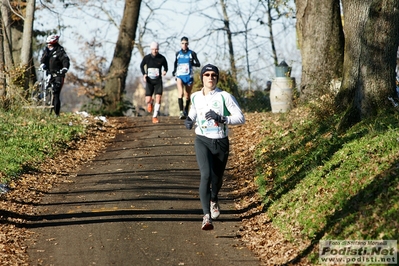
point(172, 19)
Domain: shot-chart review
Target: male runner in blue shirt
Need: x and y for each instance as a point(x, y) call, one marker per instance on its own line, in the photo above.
point(183, 70)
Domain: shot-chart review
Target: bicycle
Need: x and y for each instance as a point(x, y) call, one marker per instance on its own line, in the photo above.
point(42, 94)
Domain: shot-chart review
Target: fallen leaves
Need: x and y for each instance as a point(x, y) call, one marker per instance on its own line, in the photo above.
point(256, 231)
point(18, 203)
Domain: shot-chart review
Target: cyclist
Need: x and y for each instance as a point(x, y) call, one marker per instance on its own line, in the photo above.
point(56, 61)
point(185, 60)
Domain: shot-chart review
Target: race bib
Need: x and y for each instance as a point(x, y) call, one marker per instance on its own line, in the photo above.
point(183, 69)
point(153, 73)
point(209, 127)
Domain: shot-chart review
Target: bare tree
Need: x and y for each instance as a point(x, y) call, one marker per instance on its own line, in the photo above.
point(261, 16)
point(14, 34)
point(247, 44)
point(143, 29)
point(26, 51)
point(2, 64)
point(245, 20)
point(6, 30)
point(149, 27)
point(229, 34)
point(116, 78)
point(275, 10)
point(268, 7)
point(225, 28)
point(27, 33)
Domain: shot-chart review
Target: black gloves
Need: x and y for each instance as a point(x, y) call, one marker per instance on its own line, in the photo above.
point(63, 71)
point(188, 123)
point(212, 115)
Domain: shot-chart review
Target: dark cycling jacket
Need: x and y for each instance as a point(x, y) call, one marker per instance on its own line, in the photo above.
point(55, 59)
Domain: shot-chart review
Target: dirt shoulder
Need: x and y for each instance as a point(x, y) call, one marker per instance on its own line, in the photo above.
point(131, 187)
point(137, 199)
point(20, 203)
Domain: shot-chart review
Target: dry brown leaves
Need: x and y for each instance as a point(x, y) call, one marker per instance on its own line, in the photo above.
point(20, 202)
point(257, 232)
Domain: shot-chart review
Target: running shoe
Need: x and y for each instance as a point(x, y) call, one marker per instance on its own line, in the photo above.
point(207, 223)
point(182, 116)
point(155, 120)
point(215, 210)
point(149, 107)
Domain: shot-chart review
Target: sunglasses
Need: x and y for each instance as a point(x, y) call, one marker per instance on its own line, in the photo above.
point(212, 75)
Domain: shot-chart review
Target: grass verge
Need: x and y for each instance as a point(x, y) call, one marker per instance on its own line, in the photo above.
point(28, 137)
point(317, 184)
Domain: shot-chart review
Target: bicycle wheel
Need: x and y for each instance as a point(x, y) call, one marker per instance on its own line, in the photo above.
point(36, 91)
point(49, 97)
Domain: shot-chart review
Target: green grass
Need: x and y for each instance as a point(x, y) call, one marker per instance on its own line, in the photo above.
point(27, 137)
point(327, 185)
point(323, 184)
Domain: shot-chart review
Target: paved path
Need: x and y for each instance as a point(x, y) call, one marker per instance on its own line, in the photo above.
point(137, 204)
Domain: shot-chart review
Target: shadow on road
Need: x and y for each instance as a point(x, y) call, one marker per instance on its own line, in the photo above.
point(136, 204)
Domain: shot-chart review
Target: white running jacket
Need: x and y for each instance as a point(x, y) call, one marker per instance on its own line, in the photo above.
point(223, 103)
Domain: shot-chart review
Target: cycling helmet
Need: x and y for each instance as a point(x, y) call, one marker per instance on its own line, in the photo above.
point(52, 39)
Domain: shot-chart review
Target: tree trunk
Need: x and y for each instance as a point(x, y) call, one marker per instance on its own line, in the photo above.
point(371, 42)
point(6, 29)
point(27, 33)
point(321, 42)
point(26, 51)
point(2, 65)
point(116, 78)
point(227, 29)
point(7, 58)
point(270, 26)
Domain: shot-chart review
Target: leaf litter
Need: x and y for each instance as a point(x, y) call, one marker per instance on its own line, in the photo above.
point(256, 231)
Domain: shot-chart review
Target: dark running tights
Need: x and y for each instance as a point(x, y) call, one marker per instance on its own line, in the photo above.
point(57, 83)
point(212, 155)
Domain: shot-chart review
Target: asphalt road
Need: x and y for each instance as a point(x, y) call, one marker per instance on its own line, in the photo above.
point(137, 204)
